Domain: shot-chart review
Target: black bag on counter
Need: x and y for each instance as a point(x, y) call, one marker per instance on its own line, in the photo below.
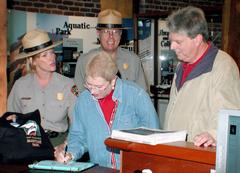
point(24, 140)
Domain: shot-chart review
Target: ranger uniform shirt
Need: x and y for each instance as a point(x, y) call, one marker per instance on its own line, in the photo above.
point(55, 102)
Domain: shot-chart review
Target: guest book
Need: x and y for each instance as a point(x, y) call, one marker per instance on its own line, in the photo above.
point(55, 165)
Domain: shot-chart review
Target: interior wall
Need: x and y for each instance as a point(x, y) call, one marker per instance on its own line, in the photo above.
point(3, 57)
point(231, 29)
point(125, 7)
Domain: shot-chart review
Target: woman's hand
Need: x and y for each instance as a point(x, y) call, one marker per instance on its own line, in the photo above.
point(60, 154)
point(12, 118)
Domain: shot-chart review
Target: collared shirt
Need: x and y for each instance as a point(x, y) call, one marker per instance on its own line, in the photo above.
point(107, 105)
point(187, 68)
point(89, 128)
point(55, 102)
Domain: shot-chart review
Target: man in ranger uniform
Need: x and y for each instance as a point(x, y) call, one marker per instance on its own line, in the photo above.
point(109, 31)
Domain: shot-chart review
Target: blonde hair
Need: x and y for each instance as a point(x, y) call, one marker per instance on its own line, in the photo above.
point(31, 67)
point(102, 65)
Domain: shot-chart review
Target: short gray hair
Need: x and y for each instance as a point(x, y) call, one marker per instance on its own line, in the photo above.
point(102, 65)
point(190, 21)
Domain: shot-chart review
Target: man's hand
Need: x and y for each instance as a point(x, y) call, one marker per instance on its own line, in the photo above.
point(204, 139)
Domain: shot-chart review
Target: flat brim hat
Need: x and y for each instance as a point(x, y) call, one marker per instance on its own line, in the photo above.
point(15, 49)
point(35, 42)
point(110, 19)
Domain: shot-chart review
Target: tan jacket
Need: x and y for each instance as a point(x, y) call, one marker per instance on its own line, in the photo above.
point(196, 104)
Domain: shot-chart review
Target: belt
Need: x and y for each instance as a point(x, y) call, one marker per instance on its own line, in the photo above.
point(53, 134)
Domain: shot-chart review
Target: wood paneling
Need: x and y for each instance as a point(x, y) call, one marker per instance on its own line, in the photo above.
point(231, 29)
point(125, 7)
point(170, 157)
point(3, 56)
point(133, 161)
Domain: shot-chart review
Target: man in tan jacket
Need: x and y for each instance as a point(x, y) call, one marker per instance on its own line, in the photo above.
point(206, 79)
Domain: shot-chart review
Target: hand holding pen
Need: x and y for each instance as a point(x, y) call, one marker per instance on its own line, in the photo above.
point(65, 150)
point(67, 155)
point(61, 153)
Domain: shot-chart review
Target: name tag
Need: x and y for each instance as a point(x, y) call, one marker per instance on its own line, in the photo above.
point(26, 98)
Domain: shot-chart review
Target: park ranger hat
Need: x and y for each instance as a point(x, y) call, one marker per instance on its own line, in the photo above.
point(110, 19)
point(15, 49)
point(35, 42)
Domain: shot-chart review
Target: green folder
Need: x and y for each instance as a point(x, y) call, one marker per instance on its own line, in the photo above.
point(55, 165)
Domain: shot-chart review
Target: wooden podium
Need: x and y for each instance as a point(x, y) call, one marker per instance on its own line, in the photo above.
point(164, 158)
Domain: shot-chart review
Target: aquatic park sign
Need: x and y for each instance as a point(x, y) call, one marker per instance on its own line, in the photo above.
point(68, 27)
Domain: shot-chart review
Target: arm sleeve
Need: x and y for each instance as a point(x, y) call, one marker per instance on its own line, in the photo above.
point(80, 74)
point(140, 75)
point(71, 100)
point(225, 92)
point(146, 111)
point(76, 135)
point(13, 102)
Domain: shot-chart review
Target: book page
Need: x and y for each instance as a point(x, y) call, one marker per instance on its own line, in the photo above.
point(145, 131)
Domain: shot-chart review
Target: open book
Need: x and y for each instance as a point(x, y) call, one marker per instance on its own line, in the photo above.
point(149, 136)
point(55, 165)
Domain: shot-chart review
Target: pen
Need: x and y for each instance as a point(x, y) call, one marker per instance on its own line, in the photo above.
point(65, 150)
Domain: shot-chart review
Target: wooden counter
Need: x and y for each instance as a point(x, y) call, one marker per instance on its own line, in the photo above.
point(165, 158)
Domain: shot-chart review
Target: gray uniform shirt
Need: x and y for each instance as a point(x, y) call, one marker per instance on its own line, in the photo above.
point(128, 63)
point(55, 102)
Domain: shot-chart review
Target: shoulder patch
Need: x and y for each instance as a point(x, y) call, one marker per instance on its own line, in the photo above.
point(74, 90)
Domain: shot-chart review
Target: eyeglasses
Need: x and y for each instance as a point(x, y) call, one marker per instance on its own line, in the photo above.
point(113, 32)
point(95, 88)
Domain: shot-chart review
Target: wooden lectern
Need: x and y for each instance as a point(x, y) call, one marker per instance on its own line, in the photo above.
point(173, 157)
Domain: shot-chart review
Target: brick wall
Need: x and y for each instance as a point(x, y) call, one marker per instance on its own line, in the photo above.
point(88, 8)
point(148, 6)
point(91, 8)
